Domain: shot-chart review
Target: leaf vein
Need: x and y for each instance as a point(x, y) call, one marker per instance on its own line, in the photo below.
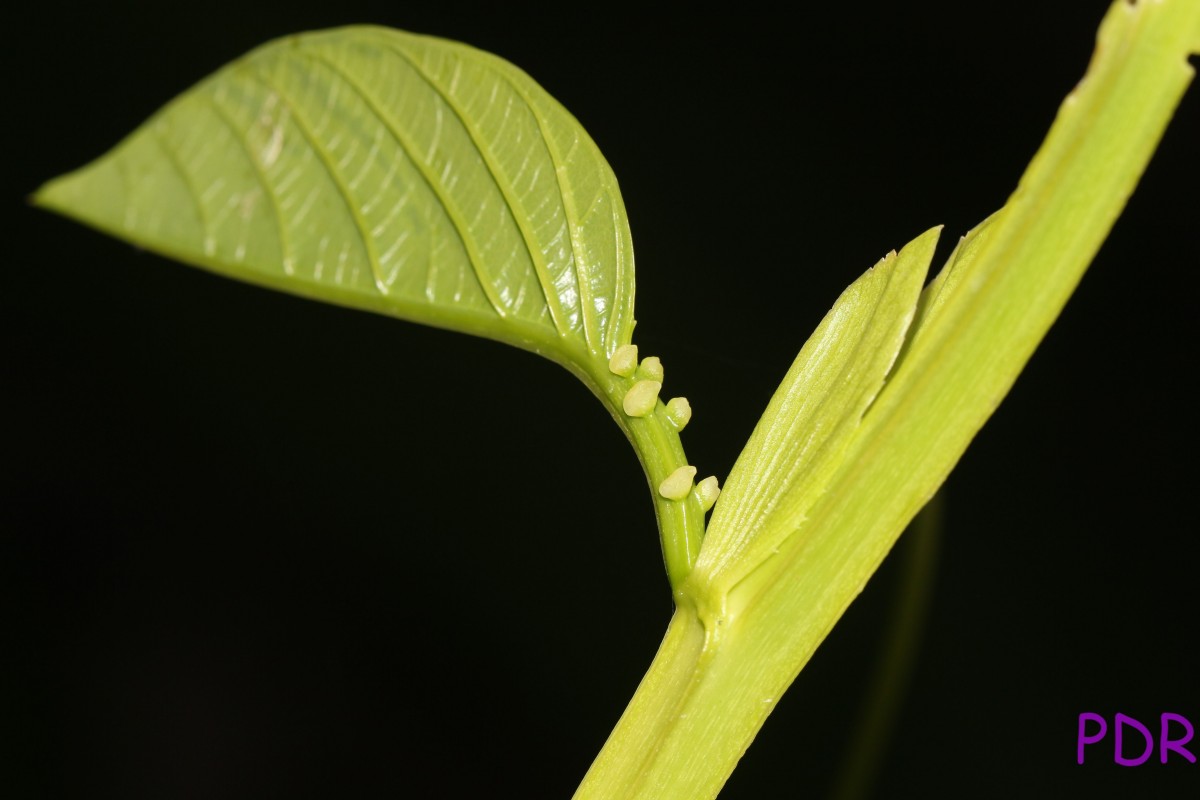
point(164, 144)
point(435, 185)
point(553, 301)
point(581, 268)
point(324, 158)
point(284, 245)
point(621, 286)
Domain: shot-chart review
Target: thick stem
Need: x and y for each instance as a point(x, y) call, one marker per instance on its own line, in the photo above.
point(726, 659)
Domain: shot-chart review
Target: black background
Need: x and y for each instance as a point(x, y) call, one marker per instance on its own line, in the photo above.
point(258, 547)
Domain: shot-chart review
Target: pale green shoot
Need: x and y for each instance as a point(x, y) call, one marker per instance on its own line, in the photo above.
point(426, 180)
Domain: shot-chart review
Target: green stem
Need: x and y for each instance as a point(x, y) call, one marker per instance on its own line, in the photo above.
point(656, 441)
point(623, 766)
point(727, 659)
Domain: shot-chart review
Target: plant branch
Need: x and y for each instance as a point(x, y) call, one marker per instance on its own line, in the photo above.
point(731, 652)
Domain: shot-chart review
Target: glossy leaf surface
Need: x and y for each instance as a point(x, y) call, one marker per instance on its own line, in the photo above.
point(387, 171)
point(406, 175)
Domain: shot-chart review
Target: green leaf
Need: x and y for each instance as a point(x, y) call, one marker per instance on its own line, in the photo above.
point(386, 171)
point(802, 436)
point(406, 175)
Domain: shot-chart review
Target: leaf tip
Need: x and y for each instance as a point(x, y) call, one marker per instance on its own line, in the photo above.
point(85, 195)
point(920, 250)
point(44, 196)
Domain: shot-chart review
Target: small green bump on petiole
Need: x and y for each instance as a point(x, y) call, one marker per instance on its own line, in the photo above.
point(640, 400)
point(624, 361)
point(707, 492)
point(651, 369)
point(679, 411)
point(678, 484)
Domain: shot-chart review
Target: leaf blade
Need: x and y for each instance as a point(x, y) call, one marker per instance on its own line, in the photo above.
point(386, 171)
point(813, 416)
